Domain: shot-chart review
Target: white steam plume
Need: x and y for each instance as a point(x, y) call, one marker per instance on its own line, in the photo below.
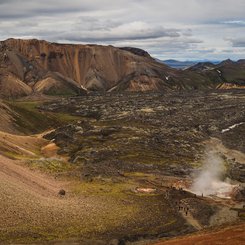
point(210, 179)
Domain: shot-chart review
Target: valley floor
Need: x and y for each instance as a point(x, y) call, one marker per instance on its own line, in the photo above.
point(33, 210)
point(123, 167)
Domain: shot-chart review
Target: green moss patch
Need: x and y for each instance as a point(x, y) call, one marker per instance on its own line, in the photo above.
point(29, 119)
point(50, 165)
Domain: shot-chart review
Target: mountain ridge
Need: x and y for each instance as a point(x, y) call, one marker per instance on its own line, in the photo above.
point(36, 66)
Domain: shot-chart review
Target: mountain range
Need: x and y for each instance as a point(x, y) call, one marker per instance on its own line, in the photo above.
point(30, 67)
point(184, 64)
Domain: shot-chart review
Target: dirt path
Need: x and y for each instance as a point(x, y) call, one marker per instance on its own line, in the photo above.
point(27, 179)
point(20, 145)
point(191, 220)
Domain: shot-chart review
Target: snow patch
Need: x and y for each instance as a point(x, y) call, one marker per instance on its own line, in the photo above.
point(220, 73)
point(231, 127)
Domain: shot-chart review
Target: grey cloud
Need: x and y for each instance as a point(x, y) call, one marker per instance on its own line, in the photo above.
point(114, 35)
point(234, 22)
point(163, 46)
point(27, 9)
point(175, 28)
point(238, 43)
point(95, 24)
point(175, 10)
point(30, 8)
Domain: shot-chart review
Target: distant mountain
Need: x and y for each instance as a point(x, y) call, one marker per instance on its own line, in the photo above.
point(202, 66)
point(178, 64)
point(182, 64)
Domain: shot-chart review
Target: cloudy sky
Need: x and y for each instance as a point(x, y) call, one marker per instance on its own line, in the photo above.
point(179, 29)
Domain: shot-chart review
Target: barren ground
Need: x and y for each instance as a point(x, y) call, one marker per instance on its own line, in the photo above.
point(229, 235)
point(101, 153)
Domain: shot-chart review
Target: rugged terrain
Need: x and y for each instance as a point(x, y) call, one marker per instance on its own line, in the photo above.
point(34, 67)
point(228, 74)
point(118, 168)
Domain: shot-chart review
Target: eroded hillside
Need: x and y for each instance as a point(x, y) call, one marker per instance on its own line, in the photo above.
point(34, 66)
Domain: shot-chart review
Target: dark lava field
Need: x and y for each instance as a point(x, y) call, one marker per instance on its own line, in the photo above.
point(155, 133)
point(151, 145)
point(129, 163)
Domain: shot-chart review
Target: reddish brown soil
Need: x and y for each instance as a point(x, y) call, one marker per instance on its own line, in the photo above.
point(234, 235)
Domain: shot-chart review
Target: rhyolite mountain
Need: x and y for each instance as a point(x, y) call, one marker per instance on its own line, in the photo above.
point(40, 67)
